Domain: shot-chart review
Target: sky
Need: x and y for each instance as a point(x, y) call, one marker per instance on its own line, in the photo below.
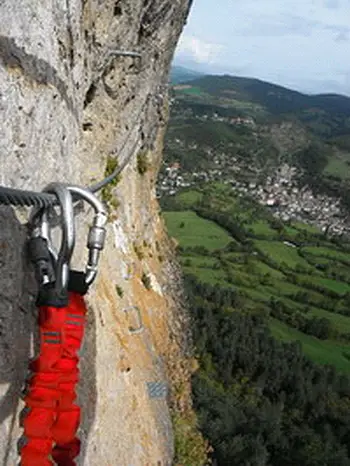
point(300, 44)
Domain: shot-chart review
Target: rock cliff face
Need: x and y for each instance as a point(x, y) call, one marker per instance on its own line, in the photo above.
point(69, 109)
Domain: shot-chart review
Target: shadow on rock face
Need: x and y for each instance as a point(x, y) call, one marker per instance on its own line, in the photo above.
point(87, 391)
point(17, 289)
point(18, 336)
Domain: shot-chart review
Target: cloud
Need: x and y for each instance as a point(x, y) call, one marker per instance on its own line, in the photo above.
point(332, 4)
point(278, 26)
point(342, 37)
point(337, 28)
point(198, 50)
point(290, 17)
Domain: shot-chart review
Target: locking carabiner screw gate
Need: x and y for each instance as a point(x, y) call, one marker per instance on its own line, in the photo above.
point(97, 231)
point(52, 268)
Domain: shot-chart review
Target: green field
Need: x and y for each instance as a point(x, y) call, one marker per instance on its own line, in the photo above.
point(341, 323)
point(281, 253)
point(322, 352)
point(305, 227)
point(266, 270)
point(328, 284)
point(328, 252)
point(262, 228)
point(191, 231)
point(192, 90)
point(338, 165)
point(200, 261)
point(210, 276)
point(189, 198)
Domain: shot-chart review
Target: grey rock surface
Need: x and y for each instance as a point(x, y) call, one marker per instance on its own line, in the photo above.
point(66, 105)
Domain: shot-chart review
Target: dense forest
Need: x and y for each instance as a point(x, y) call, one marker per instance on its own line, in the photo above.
point(259, 401)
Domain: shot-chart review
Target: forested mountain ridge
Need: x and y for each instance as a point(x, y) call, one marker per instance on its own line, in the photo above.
point(331, 109)
point(180, 74)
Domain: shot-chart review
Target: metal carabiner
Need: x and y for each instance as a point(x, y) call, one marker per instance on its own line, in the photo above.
point(68, 233)
point(57, 269)
point(41, 229)
point(97, 232)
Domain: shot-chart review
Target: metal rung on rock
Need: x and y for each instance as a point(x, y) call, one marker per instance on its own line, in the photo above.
point(139, 327)
point(157, 389)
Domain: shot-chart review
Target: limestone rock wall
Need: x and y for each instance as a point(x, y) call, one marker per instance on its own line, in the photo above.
point(67, 108)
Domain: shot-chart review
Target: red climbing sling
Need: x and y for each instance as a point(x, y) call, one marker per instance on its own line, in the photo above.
point(51, 417)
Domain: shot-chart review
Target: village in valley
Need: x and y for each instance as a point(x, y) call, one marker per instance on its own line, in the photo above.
point(279, 191)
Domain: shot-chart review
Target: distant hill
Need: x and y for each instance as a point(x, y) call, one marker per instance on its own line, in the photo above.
point(224, 123)
point(328, 115)
point(180, 74)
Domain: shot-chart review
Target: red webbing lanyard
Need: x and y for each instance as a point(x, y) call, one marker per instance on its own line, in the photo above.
point(52, 418)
